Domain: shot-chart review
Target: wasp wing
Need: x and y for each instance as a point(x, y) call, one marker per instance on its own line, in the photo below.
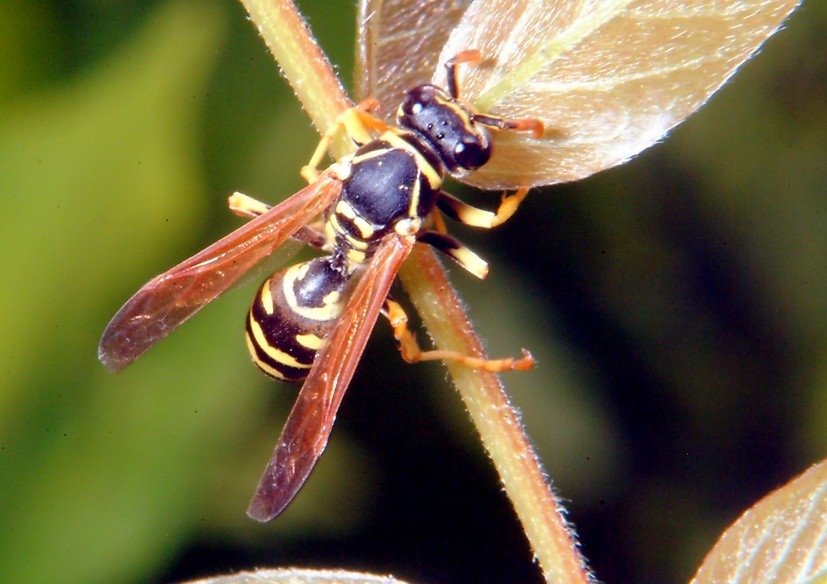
point(310, 421)
point(168, 300)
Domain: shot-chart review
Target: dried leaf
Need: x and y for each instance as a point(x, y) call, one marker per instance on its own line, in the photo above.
point(608, 77)
point(781, 539)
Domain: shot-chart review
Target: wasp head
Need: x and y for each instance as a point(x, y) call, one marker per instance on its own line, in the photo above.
point(447, 126)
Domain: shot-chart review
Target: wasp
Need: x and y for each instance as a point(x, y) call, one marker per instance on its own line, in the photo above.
point(310, 322)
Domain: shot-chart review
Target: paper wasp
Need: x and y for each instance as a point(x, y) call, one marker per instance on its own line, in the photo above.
point(311, 321)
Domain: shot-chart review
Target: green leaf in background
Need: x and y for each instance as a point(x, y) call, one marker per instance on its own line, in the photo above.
point(108, 153)
point(95, 175)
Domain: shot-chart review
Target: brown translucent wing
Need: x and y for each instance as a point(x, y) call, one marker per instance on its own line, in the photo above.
point(308, 426)
point(398, 46)
point(168, 300)
point(608, 79)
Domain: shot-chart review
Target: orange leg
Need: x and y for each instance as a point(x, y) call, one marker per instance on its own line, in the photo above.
point(413, 354)
point(473, 57)
point(357, 122)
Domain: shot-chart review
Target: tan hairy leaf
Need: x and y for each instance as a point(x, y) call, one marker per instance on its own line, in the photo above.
point(299, 576)
point(783, 538)
point(398, 46)
point(607, 77)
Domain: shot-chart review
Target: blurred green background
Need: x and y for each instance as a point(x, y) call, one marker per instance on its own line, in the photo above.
point(676, 306)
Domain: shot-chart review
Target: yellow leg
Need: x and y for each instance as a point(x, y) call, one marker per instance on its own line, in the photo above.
point(357, 122)
point(439, 222)
point(413, 354)
point(469, 215)
point(508, 206)
point(246, 206)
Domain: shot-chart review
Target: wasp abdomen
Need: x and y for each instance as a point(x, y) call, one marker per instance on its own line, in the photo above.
point(292, 315)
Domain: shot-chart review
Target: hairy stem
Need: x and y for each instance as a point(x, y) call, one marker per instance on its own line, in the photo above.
point(317, 87)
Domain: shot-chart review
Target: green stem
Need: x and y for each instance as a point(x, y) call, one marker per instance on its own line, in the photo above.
point(317, 87)
point(538, 508)
point(302, 62)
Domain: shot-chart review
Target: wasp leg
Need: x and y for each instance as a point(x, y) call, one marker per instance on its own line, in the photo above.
point(469, 215)
point(508, 205)
point(246, 206)
point(533, 125)
point(466, 258)
point(439, 222)
point(413, 354)
point(357, 122)
point(472, 56)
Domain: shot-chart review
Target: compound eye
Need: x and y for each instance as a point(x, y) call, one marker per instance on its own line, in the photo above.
point(417, 99)
point(471, 154)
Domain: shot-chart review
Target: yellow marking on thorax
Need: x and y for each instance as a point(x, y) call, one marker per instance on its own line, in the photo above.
point(408, 227)
point(431, 175)
point(355, 256)
point(414, 196)
point(341, 169)
point(333, 228)
point(344, 209)
point(368, 156)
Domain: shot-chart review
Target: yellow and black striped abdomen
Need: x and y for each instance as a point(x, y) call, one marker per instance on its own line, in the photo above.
point(292, 315)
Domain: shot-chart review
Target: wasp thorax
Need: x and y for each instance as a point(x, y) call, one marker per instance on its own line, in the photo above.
point(446, 126)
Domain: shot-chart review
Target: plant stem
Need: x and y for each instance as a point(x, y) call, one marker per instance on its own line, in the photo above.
point(317, 87)
point(302, 62)
point(502, 433)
